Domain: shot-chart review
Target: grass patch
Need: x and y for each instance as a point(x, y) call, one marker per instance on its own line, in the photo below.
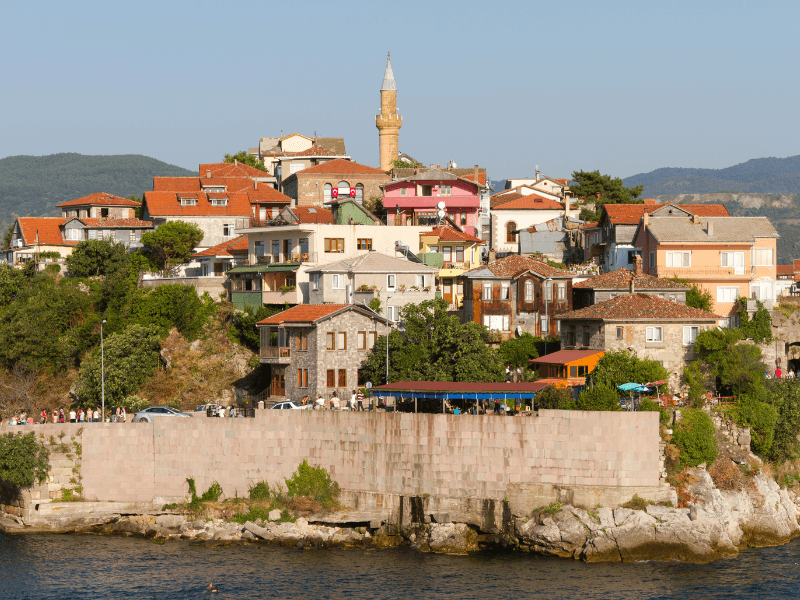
point(551, 509)
point(637, 503)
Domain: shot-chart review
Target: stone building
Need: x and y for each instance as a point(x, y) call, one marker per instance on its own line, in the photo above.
point(318, 348)
point(388, 122)
point(100, 206)
point(517, 293)
point(650, 326)
point(334, 180)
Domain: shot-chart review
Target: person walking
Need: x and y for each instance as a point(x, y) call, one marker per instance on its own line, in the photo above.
point(44, 418)
point(61, 416)
point(360, 400)
point(73, 417)
point(96, 415)
point(124, 415)
point(55, 416)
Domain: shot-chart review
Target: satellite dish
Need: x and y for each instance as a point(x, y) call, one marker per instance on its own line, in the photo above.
point(440, 205)
point(441, 214)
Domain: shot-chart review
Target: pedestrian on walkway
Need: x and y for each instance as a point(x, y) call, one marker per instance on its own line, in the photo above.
point(360, 400)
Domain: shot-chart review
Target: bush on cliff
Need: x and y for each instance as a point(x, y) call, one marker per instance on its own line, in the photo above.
point(620, 366)
point(553, 397)
point(784, 397)
point(517, 352)
point(601, 397)
point(647, 405)
point(169, 306)
point(694, 435)
point(314, 484)
point(23, 460)
point(761, 418)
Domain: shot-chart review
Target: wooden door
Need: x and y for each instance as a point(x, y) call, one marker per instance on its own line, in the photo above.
point(278, 387)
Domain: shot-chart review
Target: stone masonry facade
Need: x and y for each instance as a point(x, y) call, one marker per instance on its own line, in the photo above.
point(307, 189)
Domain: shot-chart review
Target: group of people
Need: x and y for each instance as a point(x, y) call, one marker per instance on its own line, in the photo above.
point(514, 375)
point(780, 375)
point(118, 415)
point(356, 402)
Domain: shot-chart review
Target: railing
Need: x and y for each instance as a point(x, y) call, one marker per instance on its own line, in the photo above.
point(280, 258)
point(693, 272)
point(275, 352)
point(456, 265)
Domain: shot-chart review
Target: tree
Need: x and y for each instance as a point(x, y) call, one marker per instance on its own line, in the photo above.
point(620, 366)
point(554, 397)
point(600, 397)
point(97, 257)
point(7, 237)
point(13, 281)
point(696, 296)
point(243, 157)
point(169, 306)
point(172, 243)
point(402, 164)
point(602, 189)
point(130, 356)
point(694, 435)
point(759, 328)
point(375, 206)
point(434, 346)
point(517, 352)
point(784, 397)
point(244, 326)
point(695, 379)
point(737, 365)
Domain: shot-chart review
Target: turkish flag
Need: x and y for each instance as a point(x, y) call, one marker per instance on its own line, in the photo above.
point(335, 193)
point(352, 192)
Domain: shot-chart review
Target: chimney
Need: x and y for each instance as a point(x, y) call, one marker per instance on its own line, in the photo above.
point(208, 174)
point(695, 219)
point(438, 166)
point(255, 184)
point(235, 162)
point(431, 165)
point(710, 227)
point(645, 219)
point(566, 211)
point(637, 267)
point(476, 176)
point(633, 285)
point(649, 201)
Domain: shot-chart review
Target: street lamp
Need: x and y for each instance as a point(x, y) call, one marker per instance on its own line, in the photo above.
point(387, 339)
point(548, 289)
point(102, 375)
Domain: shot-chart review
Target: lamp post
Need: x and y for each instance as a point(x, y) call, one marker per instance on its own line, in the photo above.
point(102, 375)
point(548, 289)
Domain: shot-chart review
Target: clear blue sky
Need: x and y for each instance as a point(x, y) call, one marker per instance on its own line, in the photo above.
point(624, 87)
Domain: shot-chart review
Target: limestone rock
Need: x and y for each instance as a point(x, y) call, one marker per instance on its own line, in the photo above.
point(170, 521)
point(274, 515)
point(452, 538)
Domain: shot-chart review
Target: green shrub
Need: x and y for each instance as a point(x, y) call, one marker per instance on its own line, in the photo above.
point(260, 491)
point(169, 306)
point(601, 397)
point(212, 494)
point(648, 405)
point(314, 483)
point(761, 418)
point(23, 459)
point(517, 352)
point(554, 397)
point(694, 435)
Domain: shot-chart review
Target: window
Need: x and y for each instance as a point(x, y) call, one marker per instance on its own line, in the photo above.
point(315, 281)
point(496, 322)
point(620, 333)
point(727, 294)
point(295, 166)
point(655, 334)
point(364, 243)
point(276, 251)
point(582, 371)
point(529, 291)
point(392, 313)
point(447, 252)
point(359, 192)
point(132, 235)
point(690, 334)
point(403, 191)
point(343, 189)
point(342, 378)
point(545, 328)
point(422, 281)
point(302, 378)
point(459, 253)
point(504, 289)
point(302, 340)
point(258, 248)
point(74, 234)
point(632, 254)
point(487, 291)
point(445, 190)
point(219, 202)
point(460, 287)
point(447, 288)
point(326, 192)
point(334, 244)
point(548, 291)
point(562, 291)
point(424, 190)
point(679, 259)
point(391, 283)
point(761, 290)
point(762, 257)
point(331, 340)
point(596, 237)
point(372, 340)
point(463, 218)
point(227, 230)
point(338, 281)
point(188, 201)
point(362, 340)
point(573, 371)
point(331, 378)
point(341, 340)
point(587, 337)
point(511, 237)
point(652, 262)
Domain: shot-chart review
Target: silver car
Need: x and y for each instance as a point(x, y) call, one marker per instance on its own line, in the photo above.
point(148, 415)
point(290, 404)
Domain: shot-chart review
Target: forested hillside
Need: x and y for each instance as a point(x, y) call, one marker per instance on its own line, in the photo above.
point(34, 185)
point(759, 176)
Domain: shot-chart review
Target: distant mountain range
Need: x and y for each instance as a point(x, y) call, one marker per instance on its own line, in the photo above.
point(34, 185)
point(759, 175)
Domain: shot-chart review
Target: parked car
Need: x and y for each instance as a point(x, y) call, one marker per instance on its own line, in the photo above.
point(203, 408)
point(149, 414)
point(290, 404)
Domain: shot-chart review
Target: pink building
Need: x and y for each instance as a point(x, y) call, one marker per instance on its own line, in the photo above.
point(414, 200)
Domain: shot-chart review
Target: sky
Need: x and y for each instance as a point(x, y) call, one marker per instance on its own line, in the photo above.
point(623, 87)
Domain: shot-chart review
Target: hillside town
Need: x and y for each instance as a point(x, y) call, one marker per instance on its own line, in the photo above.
point(345, 248)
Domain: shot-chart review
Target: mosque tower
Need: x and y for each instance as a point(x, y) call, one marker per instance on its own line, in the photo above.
point(388, 122)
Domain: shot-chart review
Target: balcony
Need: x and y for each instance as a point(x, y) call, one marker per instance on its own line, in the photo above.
point(279, 297)
point(692, 273)
point(281, 258)
point(280, 355)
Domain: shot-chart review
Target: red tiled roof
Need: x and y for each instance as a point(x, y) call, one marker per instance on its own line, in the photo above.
point(111, 223)
point(225, 169)
point(315, 151)
point(589, 225)
point(784, 269)
point(631, 214)
point(163, 204)
point(621, 279)
point(481, 177)
point(312, 214)
point(303, 313)
point(640, 307)
point(176, 184)
point(267, 194)
point(530, 202)
point(515, 265)
point(448, 234)
point(499, 199)
point(461, 386)
point(236, 246)
point(796, 263)
point(48, 229)
point(100, 199)
point(562, 357)
point(341, 166)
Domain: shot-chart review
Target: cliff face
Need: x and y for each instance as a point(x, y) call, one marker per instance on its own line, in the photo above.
point(718, 524)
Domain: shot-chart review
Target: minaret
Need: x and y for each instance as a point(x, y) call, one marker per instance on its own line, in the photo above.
point(388, 122)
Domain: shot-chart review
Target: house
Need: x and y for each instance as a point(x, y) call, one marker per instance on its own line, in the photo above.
point(521, 212)
point(332, 180)
point(589, 240)
point(566, 368)
point(282, 156)
point(100, 206)
point(217, 260)
point(318, 348)
point(618, 223)
point(650, 326)
point(30, 236)
point(728, 256)
point(425, 197)
point(349, 212)
point(540, 182)
point(557, 240)
point(453, 252)
point(516, 293)
point(293, 248)
point(624, 281)
point(394, 281)
point(785, 280)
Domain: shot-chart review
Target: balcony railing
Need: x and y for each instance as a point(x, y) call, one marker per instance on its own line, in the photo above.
point(280, 258)
point(276, 352)
point(693, 272)
point(464, 265)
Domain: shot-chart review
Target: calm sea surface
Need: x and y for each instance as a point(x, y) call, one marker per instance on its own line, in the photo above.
point(88, 567)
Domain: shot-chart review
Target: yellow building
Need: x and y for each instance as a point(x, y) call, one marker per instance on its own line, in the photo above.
point(453, 252)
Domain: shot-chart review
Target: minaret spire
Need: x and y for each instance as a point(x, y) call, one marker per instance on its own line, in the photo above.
point(388, 76)
point(388, 122)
